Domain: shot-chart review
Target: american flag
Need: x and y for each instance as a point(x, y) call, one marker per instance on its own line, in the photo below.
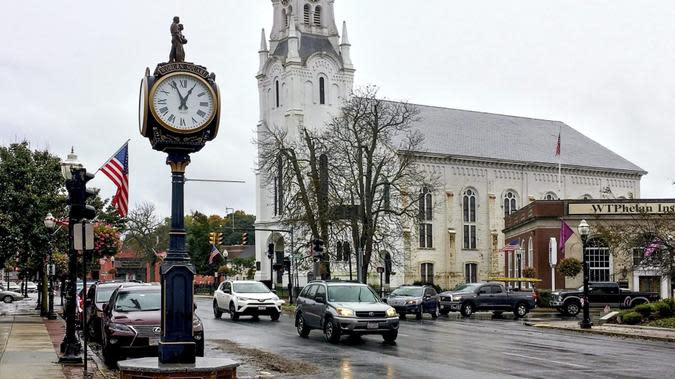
point(117, 169)
point(214, 253)
point(512, 246)
point(557, 147)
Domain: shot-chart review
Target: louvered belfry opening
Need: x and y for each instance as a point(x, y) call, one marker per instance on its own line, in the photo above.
point(307, 8)
point(317, 15)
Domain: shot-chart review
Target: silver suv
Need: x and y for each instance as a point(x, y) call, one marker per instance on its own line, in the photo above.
point(340, 308)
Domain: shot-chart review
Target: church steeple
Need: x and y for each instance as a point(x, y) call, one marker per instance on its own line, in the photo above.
point(311, 17)
point(263, 53)
point(345, 48)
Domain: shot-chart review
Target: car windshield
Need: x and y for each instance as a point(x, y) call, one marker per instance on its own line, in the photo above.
point(138, 301)
point(254, 287)
point(103, 294)
point(466, 287)
point(351, 294)
point(407, 291)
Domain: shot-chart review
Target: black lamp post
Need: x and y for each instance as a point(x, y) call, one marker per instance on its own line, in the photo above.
point(70, 346)
point(584, 231)
point(50, 223)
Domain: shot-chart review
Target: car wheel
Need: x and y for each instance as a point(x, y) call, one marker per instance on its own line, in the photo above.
point(92, 330)
point(110, 357)
point(520, 310)
point(434, 313)
point(418, 314)
point(466, 309)
point(331, 331)
point(233, 313)
point(390, 337)
point(572, 308)
point(7, 299)
point(216, 310)
point(275, 316)
point(303, 330)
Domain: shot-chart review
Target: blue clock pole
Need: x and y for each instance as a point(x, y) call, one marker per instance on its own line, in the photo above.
point(177, 272)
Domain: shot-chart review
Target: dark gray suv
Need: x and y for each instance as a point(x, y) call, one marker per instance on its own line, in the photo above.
point(339, 308)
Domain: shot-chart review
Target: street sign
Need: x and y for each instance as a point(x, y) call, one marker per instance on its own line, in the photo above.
point(85, 242)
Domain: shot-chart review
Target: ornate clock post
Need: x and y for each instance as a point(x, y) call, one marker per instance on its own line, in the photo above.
point(179, 112)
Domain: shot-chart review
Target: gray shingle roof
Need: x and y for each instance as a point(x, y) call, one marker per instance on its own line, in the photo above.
point(464, 133)
point(309, 45)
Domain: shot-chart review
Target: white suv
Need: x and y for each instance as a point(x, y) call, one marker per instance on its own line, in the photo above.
point(246, 297)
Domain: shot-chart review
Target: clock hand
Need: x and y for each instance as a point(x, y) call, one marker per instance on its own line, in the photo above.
point(173, 84)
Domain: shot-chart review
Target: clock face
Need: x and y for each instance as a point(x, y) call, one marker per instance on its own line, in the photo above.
point(183, 102)
point(143, 107)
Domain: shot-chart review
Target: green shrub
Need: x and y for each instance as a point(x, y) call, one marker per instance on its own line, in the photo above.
point(544, 298)
point(664, 323)
point(644, 309)
point(662, 309)
point(671, 303)
point(631, 318)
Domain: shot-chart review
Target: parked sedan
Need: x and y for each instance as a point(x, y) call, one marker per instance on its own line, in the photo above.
point(132, 323)
point(98, 294)
point(416, 300)
point(9, 296)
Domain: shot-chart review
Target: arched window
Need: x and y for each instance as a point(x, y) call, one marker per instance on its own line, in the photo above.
point(586, 197)
point(317, 15)
point(550, 196)
point(530, 253)
point(322, 91)
point(599, 260)
point(285, 16)
point(387, 268)
point(469, 212)
point(425, 218)
point(510, 203)
point(306, 14)
point(276, 88)
point(427, 273)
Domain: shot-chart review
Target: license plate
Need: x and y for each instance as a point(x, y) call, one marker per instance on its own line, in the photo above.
point(442, 306)
point(153, 341)
point(262, 308)
point(373, 325)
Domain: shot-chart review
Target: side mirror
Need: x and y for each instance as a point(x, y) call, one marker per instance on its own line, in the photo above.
point(105, 307)
point(274, 291)
point(227, 290)
point(427, 297)
point(320, 299)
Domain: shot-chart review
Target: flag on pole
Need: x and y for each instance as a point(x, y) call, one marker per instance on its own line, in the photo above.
point(655, 245)
point(512, 246)
point(214, 253)
point(117, 169)
point(557, 147)
point(565, 233)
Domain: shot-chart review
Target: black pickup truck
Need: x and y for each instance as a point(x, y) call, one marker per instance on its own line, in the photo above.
point(600, 294)
point(470, 297)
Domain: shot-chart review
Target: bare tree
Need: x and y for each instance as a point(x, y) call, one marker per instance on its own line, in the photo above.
point(373, 184)
point(146, 234)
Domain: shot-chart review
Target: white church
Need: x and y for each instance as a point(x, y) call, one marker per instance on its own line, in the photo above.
point(489, 164)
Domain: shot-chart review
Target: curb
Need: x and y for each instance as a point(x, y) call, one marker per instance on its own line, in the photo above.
point(603, 332)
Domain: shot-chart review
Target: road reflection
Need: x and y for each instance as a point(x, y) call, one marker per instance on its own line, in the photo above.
point(345, 369)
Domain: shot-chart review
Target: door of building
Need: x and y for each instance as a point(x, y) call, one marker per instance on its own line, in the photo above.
point(650, 284)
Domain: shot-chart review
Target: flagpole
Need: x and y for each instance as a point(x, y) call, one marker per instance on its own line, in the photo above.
point(560, 163)
point(115, 153)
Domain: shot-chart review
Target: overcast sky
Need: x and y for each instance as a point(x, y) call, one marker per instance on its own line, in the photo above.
point(70, 71)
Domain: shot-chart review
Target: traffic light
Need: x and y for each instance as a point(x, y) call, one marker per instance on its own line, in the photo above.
point(244, 238)
point(78, 193)
point(219, 238)
point(287, 264)
point(212, 238)
point(270, 251)
point(317, 249)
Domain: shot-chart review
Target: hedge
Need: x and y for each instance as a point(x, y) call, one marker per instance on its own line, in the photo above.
point(663, 309)
point(644, 309)
point(631, 318)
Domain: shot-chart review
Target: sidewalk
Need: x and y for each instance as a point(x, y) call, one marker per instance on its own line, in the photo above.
point(26, 350)
point(626, 331)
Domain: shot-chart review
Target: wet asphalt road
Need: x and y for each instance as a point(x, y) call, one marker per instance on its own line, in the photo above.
point(450, 348)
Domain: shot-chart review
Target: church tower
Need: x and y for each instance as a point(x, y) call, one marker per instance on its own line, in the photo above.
point(305, 70)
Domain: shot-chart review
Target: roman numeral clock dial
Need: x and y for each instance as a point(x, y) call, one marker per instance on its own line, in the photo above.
point(183, 102)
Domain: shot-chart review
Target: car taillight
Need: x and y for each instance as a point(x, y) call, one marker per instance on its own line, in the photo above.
point(81, 303)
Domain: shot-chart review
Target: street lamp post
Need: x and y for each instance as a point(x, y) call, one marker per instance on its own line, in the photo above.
point(70, 346)
point(584, 231)
point(50, 223)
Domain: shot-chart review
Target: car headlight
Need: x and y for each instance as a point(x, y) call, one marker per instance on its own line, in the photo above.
point(119, 328)
point(244, 299)
point(196, 322)
point(345, 312)
point(456, 298)
point(412, 302)
point(391, 312)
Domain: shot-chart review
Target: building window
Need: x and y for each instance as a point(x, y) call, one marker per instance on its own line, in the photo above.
point(510, 203)
point(425, 218)
point(306, 13)
point(317, 15)
point(427, 273)
point(519, 264)
point(550, 196)
point(638, 256)
point(599, 261)
point(469, 212)
point(586, 197)
point(471, 273)
point(285, 16)
point(387, 268)
point(530, 253)
point(276, 88)
point(322, 91)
